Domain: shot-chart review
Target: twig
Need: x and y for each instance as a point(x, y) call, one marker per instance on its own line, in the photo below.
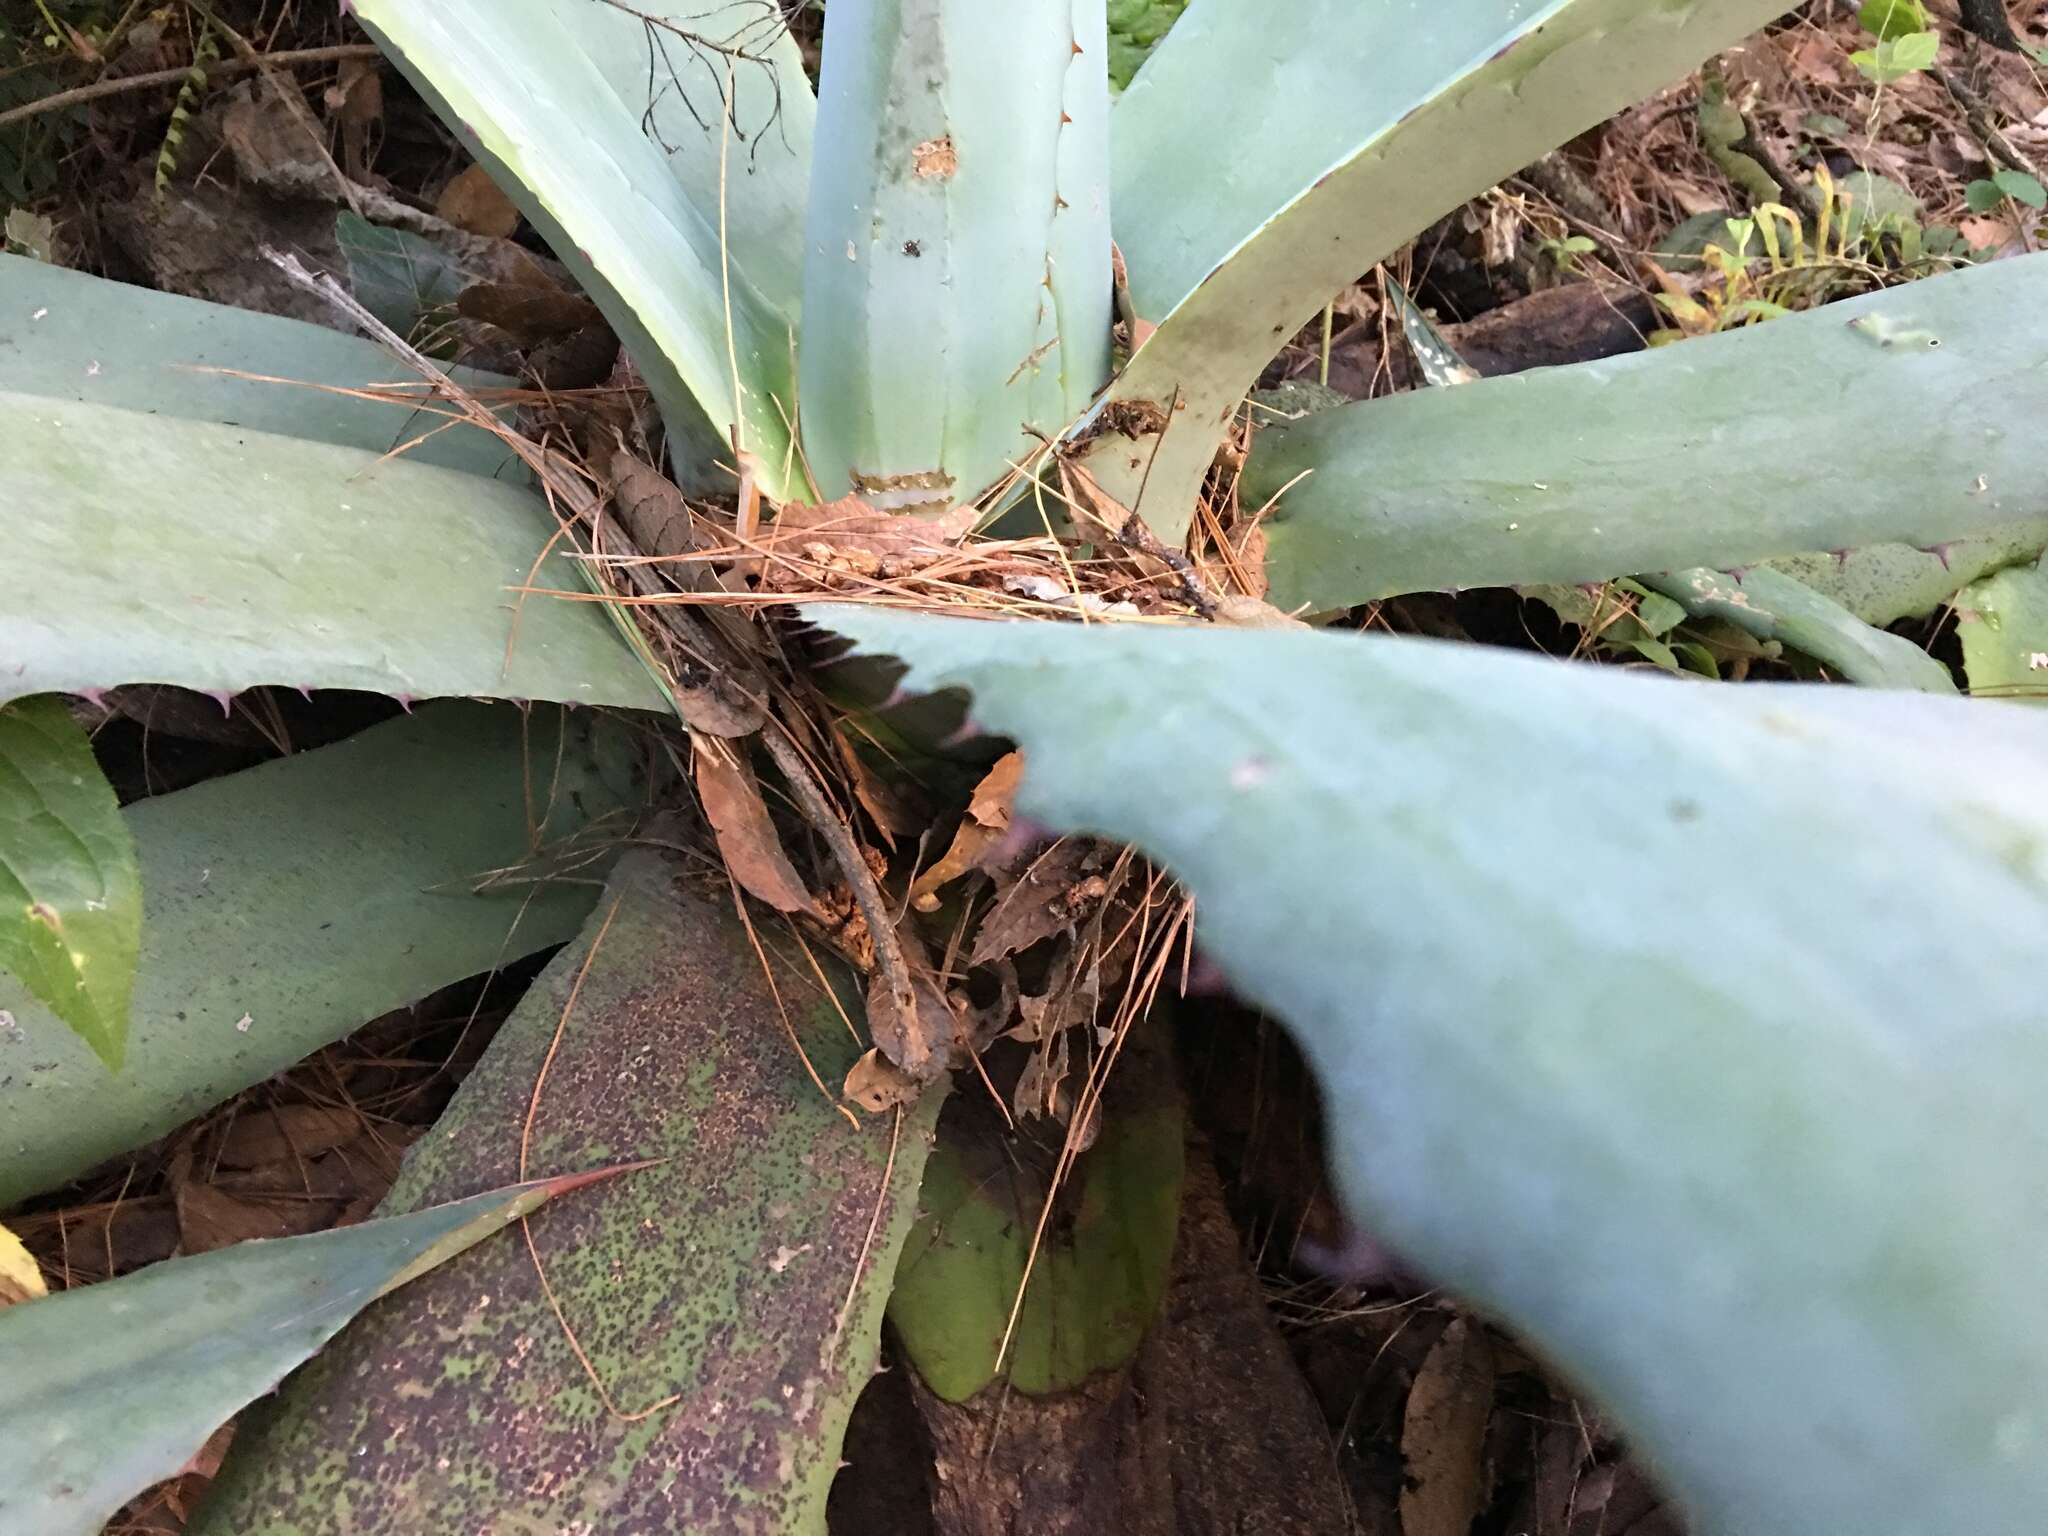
point(860, 880)
point(155, 77)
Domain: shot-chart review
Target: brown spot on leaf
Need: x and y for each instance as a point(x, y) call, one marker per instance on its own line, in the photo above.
point(934, 159)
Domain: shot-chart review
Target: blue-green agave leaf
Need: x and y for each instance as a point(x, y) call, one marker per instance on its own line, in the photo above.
point(170, 550)
point(1266, 155)
point(673, 199)
point(1740, 1122)
point(82, 338)
point(287, 905)
point(1773, 606)
point(957, 261)
point(113, 1387)
point(1714, 452)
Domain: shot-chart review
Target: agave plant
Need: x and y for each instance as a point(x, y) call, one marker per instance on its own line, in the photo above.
point(1692, 1031)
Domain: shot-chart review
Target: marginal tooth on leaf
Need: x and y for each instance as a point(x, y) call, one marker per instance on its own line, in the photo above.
point(224, 698)
point(1206, 978)
point(1740, 571)
point(1939, 551)
point(1841, 557)
point(969, 731)
point(96, 697)
point(1021, 835)
point(305, 691)
point(404, 701)
point(1358, 1259)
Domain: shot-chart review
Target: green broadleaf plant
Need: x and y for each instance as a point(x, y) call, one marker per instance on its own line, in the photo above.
point(1894, 58)
point(1890, 19)
point(70, 895)
point(1989, 192)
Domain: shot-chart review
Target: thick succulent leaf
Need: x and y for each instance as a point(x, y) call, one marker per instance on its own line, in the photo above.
point(285, 906)
point(70, 895)
point(957, 261)
point(745, 1271)
point(1768, 604)
point(113, 1387)
point(1372, 120)
point(583, 110)
point(2003, 624)
point(167, 550)
point(404, 279)
point(1883, 583)
point(1715, 452)
point(1741, 1124)
point(83, 338)
point(1773, 606)
point(1097, 1269)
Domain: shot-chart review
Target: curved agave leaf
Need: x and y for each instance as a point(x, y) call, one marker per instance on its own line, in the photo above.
point(1696, 1031)
point(82, 338)
point(745, 1271)
point(287, 905)
point(1773, 606)
point(957, 262)
point(114, 1387)
point(168, 550)
point(603, 122)
point(1769, 604)
point(1267, 155)
point(1714, 452)
point(1883, 583)
point(70, 896)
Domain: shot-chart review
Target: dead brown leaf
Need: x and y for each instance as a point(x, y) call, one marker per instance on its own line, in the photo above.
point(1052, 893)
point(746, 835)
point(654, 513)
point(529, 312)
point(1443, 1434)
point(879, 798)
point(877, 1083)
point(97, 1242)
point(1067, 999)
point(285, 1134)
point(472, 201)
point(926, 1046)
point(980, 835)
point(210, 1218)
point(355, 104)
